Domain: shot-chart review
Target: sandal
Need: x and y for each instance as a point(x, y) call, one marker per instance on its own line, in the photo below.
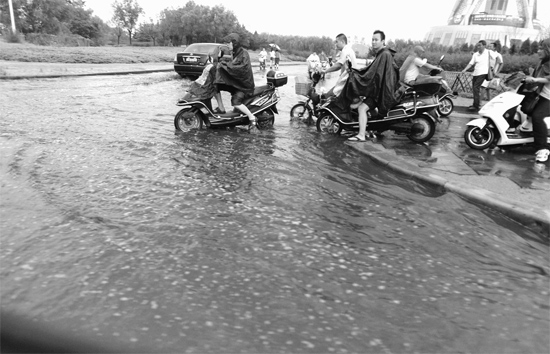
point(357, 139)
point(219, 111)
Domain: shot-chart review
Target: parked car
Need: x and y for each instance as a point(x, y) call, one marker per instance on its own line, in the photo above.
point(192, 60)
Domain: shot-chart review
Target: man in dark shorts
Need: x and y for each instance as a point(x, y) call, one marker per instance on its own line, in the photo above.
point(236, 76)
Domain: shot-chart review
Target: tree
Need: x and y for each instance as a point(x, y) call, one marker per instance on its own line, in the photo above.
point(525, 47)
point(498, 46)
point(118, 31)
point(126, 14)
point(148, 31)
point(534, 47)
point(170, 26)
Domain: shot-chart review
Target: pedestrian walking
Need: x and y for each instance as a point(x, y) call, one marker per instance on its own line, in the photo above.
point(481, 60)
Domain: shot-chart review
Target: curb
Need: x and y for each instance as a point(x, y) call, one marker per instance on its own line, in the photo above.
point(22, 77)
point(53, 76)
point(521, 212)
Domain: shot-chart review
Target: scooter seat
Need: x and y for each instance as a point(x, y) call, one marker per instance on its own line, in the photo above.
point(259, 89)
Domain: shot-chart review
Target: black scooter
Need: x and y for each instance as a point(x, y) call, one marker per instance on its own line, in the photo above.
point(415, 115)
point(262, 103)
point(445, 95)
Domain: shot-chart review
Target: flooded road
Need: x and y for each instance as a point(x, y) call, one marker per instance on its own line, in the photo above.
point(282, 241)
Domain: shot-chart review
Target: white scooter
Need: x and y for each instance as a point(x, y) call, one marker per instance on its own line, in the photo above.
point(502, 123)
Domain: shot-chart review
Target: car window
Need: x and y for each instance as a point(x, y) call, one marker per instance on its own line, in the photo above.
point(200, 48)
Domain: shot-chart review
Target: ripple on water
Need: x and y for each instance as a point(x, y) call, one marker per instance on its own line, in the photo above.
point(281, 241)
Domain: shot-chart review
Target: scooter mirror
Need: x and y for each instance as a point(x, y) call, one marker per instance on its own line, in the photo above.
point(441, 59)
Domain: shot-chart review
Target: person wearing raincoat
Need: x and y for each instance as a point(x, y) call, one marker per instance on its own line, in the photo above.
point(236, 76)
point(372, 87)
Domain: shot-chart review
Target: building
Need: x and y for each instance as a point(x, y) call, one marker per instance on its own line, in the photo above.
point(510, 21)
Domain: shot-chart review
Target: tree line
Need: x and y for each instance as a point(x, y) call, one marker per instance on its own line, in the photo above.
point(184, 25)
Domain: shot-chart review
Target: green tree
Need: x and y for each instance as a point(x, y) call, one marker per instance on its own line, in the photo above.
point(170, 26)
point(525, 47)
point(126, 14)
point(534, 47)
point(148, 31)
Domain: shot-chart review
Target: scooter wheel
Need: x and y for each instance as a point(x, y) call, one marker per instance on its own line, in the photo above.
point(423, 129)
point(479, 139)
point(327, 124)
point(187, 119)
point(301, 111)
point(266, 119)
point(446, 106)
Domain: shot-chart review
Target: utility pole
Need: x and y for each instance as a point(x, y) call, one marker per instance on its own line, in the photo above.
point(12, 18)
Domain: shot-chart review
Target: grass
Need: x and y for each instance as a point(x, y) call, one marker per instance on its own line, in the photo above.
point(26, 52)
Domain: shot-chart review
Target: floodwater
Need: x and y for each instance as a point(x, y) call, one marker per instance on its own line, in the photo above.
point(280, 241)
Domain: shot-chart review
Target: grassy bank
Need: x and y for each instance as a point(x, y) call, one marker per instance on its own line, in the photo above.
point(94, 55)
point(26, 52)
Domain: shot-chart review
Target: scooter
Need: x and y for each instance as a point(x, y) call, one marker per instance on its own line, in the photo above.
point(502, 123)
point(310, 107)
point(415, 115)
point(262, 103)
point(445, 94)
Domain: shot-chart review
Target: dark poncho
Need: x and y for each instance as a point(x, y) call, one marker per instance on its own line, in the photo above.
point(377, 83)
point(237, 73)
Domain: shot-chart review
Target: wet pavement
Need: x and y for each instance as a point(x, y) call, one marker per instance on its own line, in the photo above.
point(277, 241)
point(505, 179)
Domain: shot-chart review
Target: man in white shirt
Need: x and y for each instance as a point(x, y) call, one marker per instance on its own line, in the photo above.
point(410, 70)
point(345, 60)
point(262, 57)
point(312, 62)
point(495, 64)
point(481, 61)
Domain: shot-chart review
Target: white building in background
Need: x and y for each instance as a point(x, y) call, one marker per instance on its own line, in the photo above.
point(510, 21)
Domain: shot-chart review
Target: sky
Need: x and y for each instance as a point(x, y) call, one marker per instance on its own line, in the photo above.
point(399, 19)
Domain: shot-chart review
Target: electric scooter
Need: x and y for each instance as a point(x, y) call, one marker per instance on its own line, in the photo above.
point(262, 103)
point(415, 115)
point(502, 123)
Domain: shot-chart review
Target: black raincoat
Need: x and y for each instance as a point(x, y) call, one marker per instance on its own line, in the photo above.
point(238, 72)
point(377, 83)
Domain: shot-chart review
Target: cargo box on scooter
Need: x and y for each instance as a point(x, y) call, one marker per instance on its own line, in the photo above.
point(276, 78)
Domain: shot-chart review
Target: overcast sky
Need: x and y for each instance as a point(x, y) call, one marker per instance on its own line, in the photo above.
point(399, 19)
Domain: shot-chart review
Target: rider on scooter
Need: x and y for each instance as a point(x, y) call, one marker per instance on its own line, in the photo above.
point(373, 86)
point(542, 108)
point(236, 76)
point(410, 70)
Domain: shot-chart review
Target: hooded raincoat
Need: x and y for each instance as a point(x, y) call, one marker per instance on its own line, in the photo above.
point(238, 72)
point(377, 83)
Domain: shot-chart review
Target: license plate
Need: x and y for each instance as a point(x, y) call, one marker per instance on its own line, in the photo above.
point(191, 59)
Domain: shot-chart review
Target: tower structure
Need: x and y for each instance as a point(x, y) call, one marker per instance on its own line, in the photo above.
point(510, 21)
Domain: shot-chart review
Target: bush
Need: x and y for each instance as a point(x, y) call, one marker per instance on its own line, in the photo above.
point(57, 41)
point(458, 61)
point(14, 37)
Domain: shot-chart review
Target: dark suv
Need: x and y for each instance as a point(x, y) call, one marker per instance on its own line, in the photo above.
point(192, 60)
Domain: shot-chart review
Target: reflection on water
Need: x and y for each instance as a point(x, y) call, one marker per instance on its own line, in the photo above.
point(224, 241)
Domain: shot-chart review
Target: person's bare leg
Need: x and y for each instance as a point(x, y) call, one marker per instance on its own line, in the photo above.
point(362, 110)
point(218, 97)
point(246, 111)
